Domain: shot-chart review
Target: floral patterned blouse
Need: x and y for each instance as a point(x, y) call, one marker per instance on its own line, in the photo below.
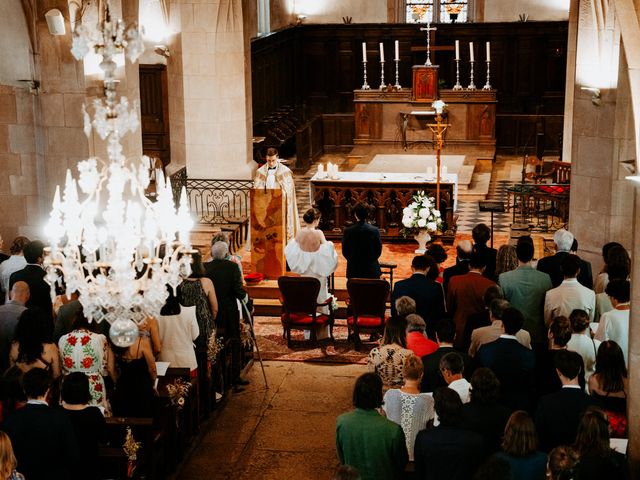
point(84, 351)
point(388, 362)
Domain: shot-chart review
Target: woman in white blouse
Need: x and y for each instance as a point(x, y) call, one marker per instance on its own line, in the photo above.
point(178, 330)
point(406, 406)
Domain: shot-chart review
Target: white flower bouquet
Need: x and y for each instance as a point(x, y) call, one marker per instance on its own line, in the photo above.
point(421, 214)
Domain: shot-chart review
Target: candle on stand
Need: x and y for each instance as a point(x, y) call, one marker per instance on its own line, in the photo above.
point(381, 52)
point(443, 172)
point(320, 171)
point(471, 52)
point(397, 51)
point(457, 49)
point(488, 51)
point(364, 51)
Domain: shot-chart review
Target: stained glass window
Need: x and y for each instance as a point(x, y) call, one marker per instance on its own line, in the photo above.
point(443, 11)
point(419, 11)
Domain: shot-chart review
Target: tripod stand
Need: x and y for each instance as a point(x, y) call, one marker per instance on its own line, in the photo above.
point(249, 318)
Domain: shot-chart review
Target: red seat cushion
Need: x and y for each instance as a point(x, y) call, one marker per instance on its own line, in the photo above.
point(367, 322)
point(304, 319)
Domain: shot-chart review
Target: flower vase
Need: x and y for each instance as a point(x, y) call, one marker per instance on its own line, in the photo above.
point(422, 237)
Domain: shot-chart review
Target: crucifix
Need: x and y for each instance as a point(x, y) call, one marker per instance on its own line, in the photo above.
point(428, 29)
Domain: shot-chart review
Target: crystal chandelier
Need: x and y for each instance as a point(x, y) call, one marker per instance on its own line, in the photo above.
point(112, 245)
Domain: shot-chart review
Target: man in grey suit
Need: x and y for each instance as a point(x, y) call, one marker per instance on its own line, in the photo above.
point(9, 315)
point(525, 288)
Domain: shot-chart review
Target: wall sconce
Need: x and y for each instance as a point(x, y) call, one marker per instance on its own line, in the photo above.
point(55, 22)
point(595, 98)
point(162, 50)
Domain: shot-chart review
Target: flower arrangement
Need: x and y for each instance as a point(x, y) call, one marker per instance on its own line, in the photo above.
point(177, 392)
point(130, 448)
point(421, 214)
point(214, 347)
point(245, 335)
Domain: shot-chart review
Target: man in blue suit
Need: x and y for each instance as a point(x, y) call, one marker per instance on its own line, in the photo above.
point(424, 290)
point(361, 246)
point(512, 362)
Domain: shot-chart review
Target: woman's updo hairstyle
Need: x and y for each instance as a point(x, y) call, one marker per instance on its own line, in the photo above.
point(311, 215)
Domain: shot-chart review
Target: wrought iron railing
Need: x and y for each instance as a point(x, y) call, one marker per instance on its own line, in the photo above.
point(214, 201)
point(219, 201)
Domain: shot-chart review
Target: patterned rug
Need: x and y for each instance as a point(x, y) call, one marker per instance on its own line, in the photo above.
point(273, 346)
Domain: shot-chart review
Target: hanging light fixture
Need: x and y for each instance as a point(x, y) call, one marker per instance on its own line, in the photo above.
point(111, 244)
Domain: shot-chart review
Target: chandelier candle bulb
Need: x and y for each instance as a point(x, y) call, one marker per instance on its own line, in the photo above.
point(471, 57)
point(364, 51)
point(397, 50)
point(457, 49)
point(488, 51)
point(381, 52)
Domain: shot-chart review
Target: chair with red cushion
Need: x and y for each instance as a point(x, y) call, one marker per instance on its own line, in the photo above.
point(299, 306)
point(368, 301)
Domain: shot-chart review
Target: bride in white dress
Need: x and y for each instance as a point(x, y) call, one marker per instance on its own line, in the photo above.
point(311, 255)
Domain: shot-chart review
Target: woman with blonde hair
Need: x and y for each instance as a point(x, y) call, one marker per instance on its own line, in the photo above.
point(520, 448)
point(8, 460)
point(406, 406)
point(506, 260)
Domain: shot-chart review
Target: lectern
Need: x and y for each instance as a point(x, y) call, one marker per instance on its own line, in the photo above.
point(268, 232)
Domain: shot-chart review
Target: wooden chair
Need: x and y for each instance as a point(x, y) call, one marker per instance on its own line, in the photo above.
point(299, 306)
point(368, 301)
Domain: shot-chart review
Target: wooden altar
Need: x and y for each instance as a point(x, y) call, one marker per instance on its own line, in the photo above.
point(385, 194)
point(384, 118)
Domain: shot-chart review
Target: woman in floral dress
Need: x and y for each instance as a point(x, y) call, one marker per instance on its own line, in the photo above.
point(85, 351)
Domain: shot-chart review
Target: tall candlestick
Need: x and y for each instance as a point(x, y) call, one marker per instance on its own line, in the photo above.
point(457, 86)
point(471, 52)
point(382, 84)
point(487, 86)
point(365, 85)
point(457, 49)
point(397, 85)
point(472, 86)
point(364, 51)
point(398, 51)
point(488, 51)
point(381, 52)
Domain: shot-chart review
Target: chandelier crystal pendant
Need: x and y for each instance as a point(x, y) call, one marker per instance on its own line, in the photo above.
point(111, 244)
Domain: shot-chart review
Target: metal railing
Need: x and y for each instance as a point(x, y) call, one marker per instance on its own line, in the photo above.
point(214, 201)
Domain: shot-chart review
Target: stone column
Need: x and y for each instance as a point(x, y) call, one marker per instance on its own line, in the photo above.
point(600, 137)
point(209, 76)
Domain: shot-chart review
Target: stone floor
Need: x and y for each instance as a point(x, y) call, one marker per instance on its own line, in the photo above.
point(284, 432)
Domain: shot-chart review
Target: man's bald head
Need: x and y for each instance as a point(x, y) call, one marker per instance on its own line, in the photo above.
point(20, 292)
point(463, 249)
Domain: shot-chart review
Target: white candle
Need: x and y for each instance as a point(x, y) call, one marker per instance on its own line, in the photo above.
point(320, 170)
point(457, 49)
point(364, 51)
point(397, 50)
point(443, 171)
point(429, 171)
point(381, 52)
point(488, 51)
point(471, 52)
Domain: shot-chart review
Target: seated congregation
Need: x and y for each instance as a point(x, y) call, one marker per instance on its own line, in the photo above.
point(503, 374)
point(74, 404)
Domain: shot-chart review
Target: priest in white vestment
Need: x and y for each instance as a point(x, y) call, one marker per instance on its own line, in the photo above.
point(274, 175)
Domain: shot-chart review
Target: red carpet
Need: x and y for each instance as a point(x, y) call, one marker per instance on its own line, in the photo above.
point(273, 346)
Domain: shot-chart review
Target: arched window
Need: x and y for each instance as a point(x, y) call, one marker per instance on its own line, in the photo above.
point(437, 11)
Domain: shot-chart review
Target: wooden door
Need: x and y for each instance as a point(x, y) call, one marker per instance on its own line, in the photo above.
point(155, 112)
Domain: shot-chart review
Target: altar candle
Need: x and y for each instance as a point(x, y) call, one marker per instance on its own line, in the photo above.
point(471, 51)
point(320, 170)
point(397, 50)
point(443, 171)
point(457, 49)
point(429, 171)
point(381, 52)
point(364, 51)
point(488, 51)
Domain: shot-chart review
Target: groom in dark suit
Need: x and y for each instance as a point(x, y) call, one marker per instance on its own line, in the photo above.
point(424, 290)
point(361, 246)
